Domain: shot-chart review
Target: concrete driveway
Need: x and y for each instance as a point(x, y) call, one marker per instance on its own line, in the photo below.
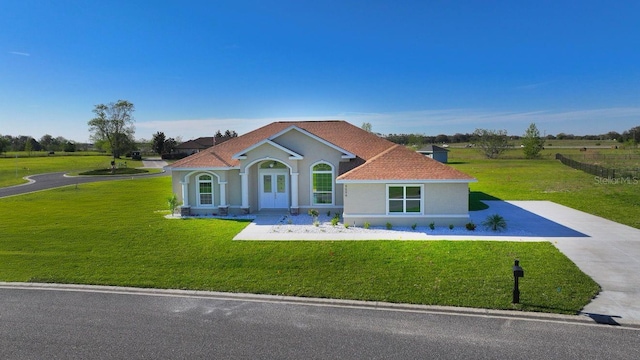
point(607, 251)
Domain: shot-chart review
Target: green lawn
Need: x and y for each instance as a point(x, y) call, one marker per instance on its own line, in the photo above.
point(514, 178)
point(115, 233)
point(12, 169)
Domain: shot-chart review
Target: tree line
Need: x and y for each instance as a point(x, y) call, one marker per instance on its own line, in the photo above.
point(28, 143)
point(413, 139)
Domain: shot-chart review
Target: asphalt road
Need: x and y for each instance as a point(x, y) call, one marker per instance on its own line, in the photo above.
point(92, 323)
point(54, 180)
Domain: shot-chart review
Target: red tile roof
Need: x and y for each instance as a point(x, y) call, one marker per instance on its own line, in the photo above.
point(376, 158)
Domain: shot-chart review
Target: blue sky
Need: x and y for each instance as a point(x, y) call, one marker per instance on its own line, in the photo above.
point(427, 67)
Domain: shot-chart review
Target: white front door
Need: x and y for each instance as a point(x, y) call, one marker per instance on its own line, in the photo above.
point(274, 189)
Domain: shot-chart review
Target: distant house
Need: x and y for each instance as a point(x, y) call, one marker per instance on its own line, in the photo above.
point(195, 146)
point(436, 153)
point(329, 166)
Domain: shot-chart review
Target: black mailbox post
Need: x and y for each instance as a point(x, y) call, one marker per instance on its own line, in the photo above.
point(517, 273)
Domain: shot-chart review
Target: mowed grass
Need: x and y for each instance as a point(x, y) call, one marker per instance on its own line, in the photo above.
point(115, 233)
point(514, 178)
point(13, 170)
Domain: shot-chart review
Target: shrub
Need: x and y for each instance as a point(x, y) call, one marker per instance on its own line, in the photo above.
point(470, 226)
point(173, 203)
point(334, 221)
point(366, 225)
point(329, 213)
point(432, 225)
point(346, 225)
point(450, 226)
point(314, 213)
point(495, 222)
point(389, 226)
point(413, 227)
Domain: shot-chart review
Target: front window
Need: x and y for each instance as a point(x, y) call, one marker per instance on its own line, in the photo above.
point(404, 199)
point(205, 190)
point(322, 186)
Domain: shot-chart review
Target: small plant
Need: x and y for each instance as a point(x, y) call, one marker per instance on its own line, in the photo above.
point(470, 226)
point(432, 225)
point(334, 221)
point(314, 213)
point(366, 225)
point(328, 212)
point(413, 227)
point(495, 222)
point(173, 203)
point(450, 226)
point(389, 226)
point(316, 223)
point(346, 225)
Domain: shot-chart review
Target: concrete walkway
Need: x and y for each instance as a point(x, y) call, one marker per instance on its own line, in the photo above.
point(607, 251)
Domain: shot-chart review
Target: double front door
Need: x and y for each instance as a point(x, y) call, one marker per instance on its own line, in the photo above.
point(274, 189)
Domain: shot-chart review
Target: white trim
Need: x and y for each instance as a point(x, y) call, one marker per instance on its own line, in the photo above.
point(203, 168)
point(409, 215)
point(404, 200)
point(412, 182)
point(333, 182)
point(199, 203)
point(241, 155)
point(346, 154)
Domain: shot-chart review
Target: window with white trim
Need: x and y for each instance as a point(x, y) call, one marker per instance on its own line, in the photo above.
point(404, 199)
point(322, 184)
point(205, 190)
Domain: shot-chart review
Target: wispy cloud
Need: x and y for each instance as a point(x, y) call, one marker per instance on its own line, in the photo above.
point(19, 53)
point(430, 122)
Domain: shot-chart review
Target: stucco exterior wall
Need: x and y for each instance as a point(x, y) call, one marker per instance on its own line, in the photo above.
point(442, 204)
point(313, 151)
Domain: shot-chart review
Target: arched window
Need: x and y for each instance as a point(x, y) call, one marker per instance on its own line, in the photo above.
point(205, 190)
point(322, 184)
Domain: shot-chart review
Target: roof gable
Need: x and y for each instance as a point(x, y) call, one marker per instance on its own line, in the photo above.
point(345, 153)
point(242, 154)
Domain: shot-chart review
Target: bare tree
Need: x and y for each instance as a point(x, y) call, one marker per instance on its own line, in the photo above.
point(491, 143)
point(113, 124)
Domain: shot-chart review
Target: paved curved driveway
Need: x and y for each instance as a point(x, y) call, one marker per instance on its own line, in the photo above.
point(58, 179)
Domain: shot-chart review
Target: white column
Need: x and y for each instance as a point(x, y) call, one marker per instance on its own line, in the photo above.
point(294, 190)
point(244, 177)
point(223, 193)
point(185, 193)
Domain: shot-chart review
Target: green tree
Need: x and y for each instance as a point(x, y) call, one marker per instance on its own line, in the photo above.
point(532, 143)
point(491, 143)
point(367, 127)
point(4, 144)
point(28, 146)
point(113, 124)
point(70, 146)
point(158, 142)
point(170, 145)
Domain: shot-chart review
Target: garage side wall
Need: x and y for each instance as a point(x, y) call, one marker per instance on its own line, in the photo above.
point(442, 204)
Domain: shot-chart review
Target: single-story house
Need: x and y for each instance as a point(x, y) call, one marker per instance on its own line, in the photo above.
point(436, 153)
point(323, 165)
point(195, 145)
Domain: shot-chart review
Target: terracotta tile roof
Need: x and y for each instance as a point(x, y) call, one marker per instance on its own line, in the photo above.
point(376, 158)
point(401, 163)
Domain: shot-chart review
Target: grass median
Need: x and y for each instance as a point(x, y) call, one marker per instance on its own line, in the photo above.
point(115, 233)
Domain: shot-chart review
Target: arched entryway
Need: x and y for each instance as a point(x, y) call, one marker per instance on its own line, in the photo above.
point(273, 185)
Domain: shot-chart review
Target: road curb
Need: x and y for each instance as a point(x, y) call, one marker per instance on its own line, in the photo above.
point(581, 319)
